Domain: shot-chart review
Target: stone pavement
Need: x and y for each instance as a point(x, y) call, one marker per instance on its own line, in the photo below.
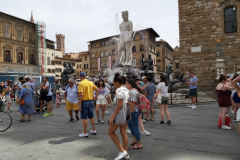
point(193, 135)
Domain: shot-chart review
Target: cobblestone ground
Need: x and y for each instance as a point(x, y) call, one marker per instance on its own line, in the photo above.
point(193, 135)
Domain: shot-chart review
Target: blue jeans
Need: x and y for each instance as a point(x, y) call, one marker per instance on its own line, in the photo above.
point(133, 125)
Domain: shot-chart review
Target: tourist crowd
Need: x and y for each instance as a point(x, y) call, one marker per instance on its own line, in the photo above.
point(130, 95)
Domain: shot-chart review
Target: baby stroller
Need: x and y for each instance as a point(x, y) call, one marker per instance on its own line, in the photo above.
point(37, 96)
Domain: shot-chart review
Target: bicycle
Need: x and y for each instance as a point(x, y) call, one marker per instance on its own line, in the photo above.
point(5, 118)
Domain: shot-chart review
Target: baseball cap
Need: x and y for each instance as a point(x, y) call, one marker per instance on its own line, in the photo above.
point(83, 74)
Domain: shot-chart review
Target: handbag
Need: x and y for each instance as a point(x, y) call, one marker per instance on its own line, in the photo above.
point(159, 98)
point(227, 122)
point(11, 95)
point(22, 102)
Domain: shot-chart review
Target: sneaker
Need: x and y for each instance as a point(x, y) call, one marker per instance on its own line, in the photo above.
point(97, 122)
point(226, 127)
point(45, 115)
point(71, 120)
point(8, 111)
point(144, 121)
point(103, 122)
point(194, 107)
point(77, 118)
point(42, 113)
point(161, 123)
point(36, 112)
point(169, 122)
point(146, 133)
point(190, 106)
point(126, 157)
point(106, 112)
point(93, 132)
point(121, 155)
point(83, 135)
point(232, 111)
point(50, 114)
point(128, 131)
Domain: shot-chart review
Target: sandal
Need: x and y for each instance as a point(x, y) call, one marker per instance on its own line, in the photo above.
point(151, 119)
point(29, 120)
point(137, 147)
point(146, 119)
point(22, 120)
point(133, 143)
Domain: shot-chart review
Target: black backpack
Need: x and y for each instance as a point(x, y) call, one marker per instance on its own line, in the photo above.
point(44, 92)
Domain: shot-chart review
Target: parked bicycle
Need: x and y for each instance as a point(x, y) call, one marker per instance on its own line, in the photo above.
point(5, 118)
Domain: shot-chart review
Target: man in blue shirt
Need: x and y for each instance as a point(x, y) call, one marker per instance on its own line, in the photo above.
point(193, 89)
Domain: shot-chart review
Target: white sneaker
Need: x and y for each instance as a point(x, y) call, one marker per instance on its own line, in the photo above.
point(103, 122)
point(226, 127)
point(106, 111)
point(232, 111)
point(128, 131)
point(93, 132)
point(194, 107)
point(121, 155)
point(83, 135)
point(146, 133)
point(126, 157)
point(144, 121)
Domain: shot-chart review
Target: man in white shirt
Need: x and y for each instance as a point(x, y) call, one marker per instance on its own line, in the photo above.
point(71, 98)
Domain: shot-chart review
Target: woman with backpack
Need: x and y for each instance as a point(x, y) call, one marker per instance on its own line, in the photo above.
point(134, 113)
point(119, 117)
point(163, 89)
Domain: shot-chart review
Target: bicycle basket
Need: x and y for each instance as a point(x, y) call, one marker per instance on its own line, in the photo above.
point(2, 105)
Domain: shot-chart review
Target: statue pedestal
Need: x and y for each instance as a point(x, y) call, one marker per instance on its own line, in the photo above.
point(220, 67)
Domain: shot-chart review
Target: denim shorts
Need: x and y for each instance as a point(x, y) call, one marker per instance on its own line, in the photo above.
point(87, 110)
point(236, 99)
point(193, 92)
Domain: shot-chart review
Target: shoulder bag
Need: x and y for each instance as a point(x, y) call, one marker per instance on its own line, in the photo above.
point(22, 102)
point(159, 97)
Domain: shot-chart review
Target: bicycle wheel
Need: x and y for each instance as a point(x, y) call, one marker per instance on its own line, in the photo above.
point(5, 121)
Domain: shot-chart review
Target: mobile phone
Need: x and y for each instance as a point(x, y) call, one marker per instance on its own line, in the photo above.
point(113, 121)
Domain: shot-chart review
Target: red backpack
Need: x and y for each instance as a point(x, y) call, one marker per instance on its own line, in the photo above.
point(227, 122)
point(143, 103)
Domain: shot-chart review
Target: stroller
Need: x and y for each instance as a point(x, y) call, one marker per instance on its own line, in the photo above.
point(37, 96)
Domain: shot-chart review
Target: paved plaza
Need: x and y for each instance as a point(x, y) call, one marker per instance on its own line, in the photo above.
point(193, 135)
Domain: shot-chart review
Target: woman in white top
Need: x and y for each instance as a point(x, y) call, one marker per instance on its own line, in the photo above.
point(121, 99)
point(163, 88)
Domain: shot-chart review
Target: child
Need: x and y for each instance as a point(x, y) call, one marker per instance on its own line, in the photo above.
point(57, 101)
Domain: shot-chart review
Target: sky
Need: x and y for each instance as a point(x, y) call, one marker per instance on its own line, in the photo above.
point(85, 20)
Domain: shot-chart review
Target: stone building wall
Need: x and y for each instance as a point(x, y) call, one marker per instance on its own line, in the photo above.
point(202, 25)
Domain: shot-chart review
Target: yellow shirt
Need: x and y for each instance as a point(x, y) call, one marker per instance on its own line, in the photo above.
point(87, 87)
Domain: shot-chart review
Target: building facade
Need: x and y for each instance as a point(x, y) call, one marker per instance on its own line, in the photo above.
point(163, 55)
point(78, 68)
point(208, 28)
point(85, 65)
point(104, 52)
point(18, 47)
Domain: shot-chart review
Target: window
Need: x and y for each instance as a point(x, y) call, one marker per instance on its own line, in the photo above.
point(31, 59)
point(53, 71)
point(177, 65)
point(30, 39)
point(106, 43)
point(101, 54)
point(106, 53)
point(134, 61)
point(158, 60)
point(141, 48)
point(92, 65)
point(52, 54)
point(7, 56)
point(113, 52)
point(101, 44)
point(113, 42)
point(49, 70)
point(158, 53)
point(159, 68)
point(73, 64)
point(230, 17)
point(48, 60)
point(134, 37)
point(7, 31)
point(141, 35)
point(62, 44)
point(20, 57)
point(133, 49)
point(158, 45)
point(85, 58)
point(77, 65)
point(150, 48)
point(92, 55)
point(92, 45)
point(106, 64)
point(19, 34)
point(85, 66)
point(101, 64)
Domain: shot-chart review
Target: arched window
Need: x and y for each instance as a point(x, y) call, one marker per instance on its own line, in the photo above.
point(113, 52)
point(101, 64)
point(7, 56)
point(142, 48)
point(230, 18)
point(20, 57)
point(106, 53)
point(53, 70)
point(133, 49)
point(58, 41)
point(106, 64)
point(92, 55)
point(92, 65)
point(101, 54)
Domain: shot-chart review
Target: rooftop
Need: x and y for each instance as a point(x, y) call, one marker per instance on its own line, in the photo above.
point(166, 43)
point(17, 18)
point(151, 29)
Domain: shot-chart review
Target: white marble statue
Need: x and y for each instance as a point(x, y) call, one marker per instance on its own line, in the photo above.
point(111, 73)
point(125, 42)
